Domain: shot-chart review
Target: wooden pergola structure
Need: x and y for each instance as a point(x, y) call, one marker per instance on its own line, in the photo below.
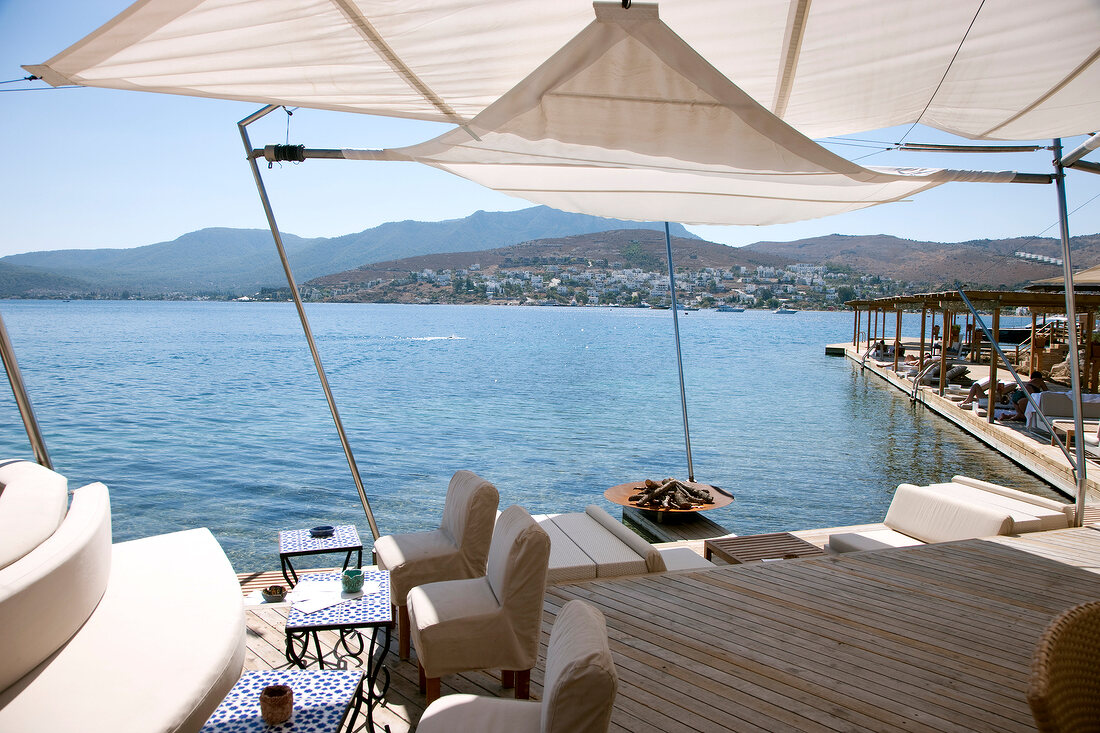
point(949, 305)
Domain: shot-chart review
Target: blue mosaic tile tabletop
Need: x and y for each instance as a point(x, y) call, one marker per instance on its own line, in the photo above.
point(293, 541)
point(368, 609)
point(321, 699)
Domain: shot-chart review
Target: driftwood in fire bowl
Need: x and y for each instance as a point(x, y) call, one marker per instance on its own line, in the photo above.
point(670, 494)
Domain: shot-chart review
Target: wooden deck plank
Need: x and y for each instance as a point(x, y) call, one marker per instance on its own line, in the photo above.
point(935, 638)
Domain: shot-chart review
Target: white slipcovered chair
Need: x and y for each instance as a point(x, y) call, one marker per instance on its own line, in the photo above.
point(577, 698)
point(492, 622)
point(458, 549)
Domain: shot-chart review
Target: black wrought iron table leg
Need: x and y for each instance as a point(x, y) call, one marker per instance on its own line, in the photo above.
point(292, 655)
point(289, 575)
point(374, 667)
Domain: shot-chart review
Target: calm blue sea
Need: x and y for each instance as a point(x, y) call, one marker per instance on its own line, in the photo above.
point(211, 414)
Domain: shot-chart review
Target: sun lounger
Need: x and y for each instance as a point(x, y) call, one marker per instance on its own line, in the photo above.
point(592, 543)
point(136, 636)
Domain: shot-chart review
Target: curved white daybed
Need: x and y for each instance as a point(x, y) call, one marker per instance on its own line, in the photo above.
point(143, 636)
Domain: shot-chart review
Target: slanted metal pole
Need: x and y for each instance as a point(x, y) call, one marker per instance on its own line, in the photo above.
point(243, 125)
point(1071, 325)
point(679, 359)
point(22, 399)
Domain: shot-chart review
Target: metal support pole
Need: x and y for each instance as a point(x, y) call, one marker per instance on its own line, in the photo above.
point(242, 126)
point(22, 399)
point(1071, 324)
point(679, 359)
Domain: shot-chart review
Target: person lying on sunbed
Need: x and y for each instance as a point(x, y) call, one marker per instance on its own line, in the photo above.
point(1019, 397)
point(977, 391)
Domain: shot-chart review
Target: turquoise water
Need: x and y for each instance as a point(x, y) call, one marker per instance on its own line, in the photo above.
point(210, 414)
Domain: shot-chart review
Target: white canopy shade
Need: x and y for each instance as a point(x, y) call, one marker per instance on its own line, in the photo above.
point(628, 121)
point(998, 69)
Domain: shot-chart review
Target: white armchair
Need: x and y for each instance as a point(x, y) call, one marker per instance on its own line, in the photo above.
point(458, 549)
point(492, 622)
point(577, 698)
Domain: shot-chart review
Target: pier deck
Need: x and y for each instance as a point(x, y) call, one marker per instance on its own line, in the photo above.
point(1010, 439)
point(931, 638)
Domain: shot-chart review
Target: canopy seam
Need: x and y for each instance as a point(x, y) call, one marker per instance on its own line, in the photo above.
point(371, 35)
point(796, 31)
point(1053, 90)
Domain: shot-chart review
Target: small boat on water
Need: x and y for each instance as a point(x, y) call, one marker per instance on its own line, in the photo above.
point(784, 310)
point(729, 309)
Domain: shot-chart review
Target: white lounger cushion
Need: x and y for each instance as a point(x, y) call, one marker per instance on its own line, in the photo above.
point(876, 539)
point(683, 558)
point(643, 549)
point(611, 555)
point(928, 516)
point(49, 593)
point(1040, 501)
point(162, 649)
point(1026, 516)
point(567, 561)
point(33, 500)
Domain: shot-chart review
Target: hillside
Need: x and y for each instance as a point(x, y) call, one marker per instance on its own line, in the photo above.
point(986, 262)
point(632, 248)
point(237, 261)
point(27, 282)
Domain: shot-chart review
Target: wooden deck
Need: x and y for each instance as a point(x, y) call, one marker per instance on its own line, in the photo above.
point(932, 638)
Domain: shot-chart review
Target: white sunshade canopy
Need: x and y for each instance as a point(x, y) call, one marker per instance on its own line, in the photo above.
point(628, 121)
point(623, 117)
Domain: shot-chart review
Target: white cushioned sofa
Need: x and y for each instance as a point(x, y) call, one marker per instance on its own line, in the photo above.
point(964, 508)
point(146, 635)
point(593, 544)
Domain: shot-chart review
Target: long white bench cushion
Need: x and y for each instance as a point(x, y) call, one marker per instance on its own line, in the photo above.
point(683, 558)
point(33, 500)
point(611, 555)
point(653, 559)
point(1040, 501)
point(875, 539)
point(567, 561)
point(162, 649)
point(928, 516)
point(49, 593)
point(1026, 517)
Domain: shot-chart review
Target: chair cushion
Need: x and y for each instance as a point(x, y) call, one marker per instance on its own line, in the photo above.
point(457, 625)
point(875, 539)
point(580, 682)
point(646, 551)
point(458, 549)
point(33, 500)
point(159, 653)
point(417, 558)
point(611, 555)
point(454, 713)
point(49, 593)
point(490, 622)
point(567, 561)
point(926, 515)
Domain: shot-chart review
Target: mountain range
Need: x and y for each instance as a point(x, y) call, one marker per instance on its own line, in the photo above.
point(221, 261)
point(239, 261)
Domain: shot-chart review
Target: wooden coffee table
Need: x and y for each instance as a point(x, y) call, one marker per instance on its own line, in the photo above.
point(774, 546)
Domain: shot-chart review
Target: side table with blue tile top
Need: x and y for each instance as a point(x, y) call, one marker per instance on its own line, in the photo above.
point(367, 611)
point(322, 700)
point(297, 542)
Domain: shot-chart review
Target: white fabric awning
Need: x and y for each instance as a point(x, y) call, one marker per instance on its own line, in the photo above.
point(628, 121)
point(997, 69)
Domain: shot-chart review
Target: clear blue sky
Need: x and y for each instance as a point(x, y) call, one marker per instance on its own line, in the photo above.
point(99, 168)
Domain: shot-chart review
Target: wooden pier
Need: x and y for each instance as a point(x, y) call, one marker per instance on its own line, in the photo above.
point(930, 638)
point(1010, 439)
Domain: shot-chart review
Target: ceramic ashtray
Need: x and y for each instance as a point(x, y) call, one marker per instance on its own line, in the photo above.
point(273, 593)
point(324, 530)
